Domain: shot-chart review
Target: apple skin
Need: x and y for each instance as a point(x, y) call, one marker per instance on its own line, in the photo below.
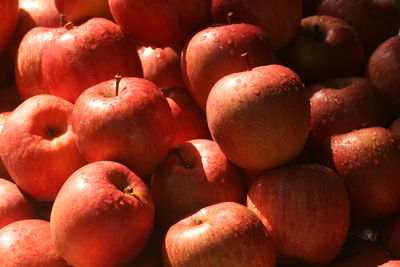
point(103, 216)
point(223, 234)
point(279, 19)
point(305, 209)
point(217, 51)
point(324, 48)
point(367, 162)
point(374, 21)
point(189, 121)
point(27, 243)
point(139, 116)
point(38, 146)
point(259, 118)
point(162, 66)
point(10, 11)
point(78, 11)
point(172, 21)
point(86, 55)
point(384, 71)
point(389, 235)
point(195, 174)
point(14, 205)
point(28, 63)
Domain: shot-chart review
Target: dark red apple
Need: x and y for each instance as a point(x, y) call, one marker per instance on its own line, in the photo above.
point(128, 121)
point(27, 243)
point(162, 66)
point(78, 11)
point(260, 118)
point(280, 19)
point(9, 20)
point(160, 23)
point(217, 51)
point(374, 20)
point(324, 48)
point(384, 71)
point(223, 234)
point(189, 121)
point(103, 216)
point(195, 174)
point(38, 147)
point(86, 55)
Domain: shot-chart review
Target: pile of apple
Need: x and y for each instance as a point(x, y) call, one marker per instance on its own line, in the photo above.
point(199, 133)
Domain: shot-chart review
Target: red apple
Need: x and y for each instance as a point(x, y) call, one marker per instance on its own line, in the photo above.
point(162, 66)
point(324, 48)
point(86, 55)
point(279, 19)
point(9, 20)
point(217, 51)
point(79, 11)
point(195, 174)
point(38, 146)
point(384, 71)
point(103, 216)
point(223, 234)
point(27, 243)
point(374, 21)
point(305, 209)
point(260, 118)
point(14, 205)
point(160, 23)
point(189, 121)
point(128, 121)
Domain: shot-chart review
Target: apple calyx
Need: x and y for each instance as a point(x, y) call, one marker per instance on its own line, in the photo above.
point(247, 58)
point(229, 17)
point(118, 78)
point(69, 25)
point(196, 221)
point(187, 165)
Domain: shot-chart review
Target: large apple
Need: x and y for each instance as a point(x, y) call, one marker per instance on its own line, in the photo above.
point(305, 209)
point(27, 243)
point(103, 216)
point(279, 19)
point(223, 234)
point(78, 11)
point(189, 121)
point(218, 51)
point(160, 23)
point(127, 121)
point(9, 20)
point(324, 48)
point(38, 147)
point(384, 71)
point(86, 55)
point(195, 174)
point(14, 205)
point(260, 118)
point(374, 21)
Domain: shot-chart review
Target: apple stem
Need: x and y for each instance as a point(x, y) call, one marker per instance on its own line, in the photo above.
point(69, 25)
point(129, 191)
point(246, 57)
point(183, 162)
point(229, 17)
point(118, 78)
point(62, 20)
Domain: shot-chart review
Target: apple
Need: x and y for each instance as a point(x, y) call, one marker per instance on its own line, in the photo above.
point(78, 11)
point(14, 205)
point(280, 19)
point(103, 216)
point(9, 20)
point(86, 55)
point(305, 209)
point(218, 51)
point(195, 174)
point(223, 234)
point(160, 23)
point(189, 121)
point(374, 21)
point(126, 120)
point(259, 118)
point(28, 63)
point(389, 235)
point(28, 243)
point(367, 162)
point(384, 71)
point(38, 147)
point(324, 48)
point(162, 66)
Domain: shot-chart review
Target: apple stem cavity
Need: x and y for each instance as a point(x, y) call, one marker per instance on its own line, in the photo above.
point(62, 20)
point(229, 17)
point(118, 78)
point(183, 162)
point(247, 58)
